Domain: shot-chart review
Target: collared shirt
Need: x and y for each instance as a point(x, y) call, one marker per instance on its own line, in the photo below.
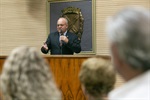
point(135, 89)
point(63, 34)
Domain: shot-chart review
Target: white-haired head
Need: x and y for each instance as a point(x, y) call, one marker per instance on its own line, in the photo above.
point(129, 30)
point(26, 76)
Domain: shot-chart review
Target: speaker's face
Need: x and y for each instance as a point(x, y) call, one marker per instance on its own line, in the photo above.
point(62, 25)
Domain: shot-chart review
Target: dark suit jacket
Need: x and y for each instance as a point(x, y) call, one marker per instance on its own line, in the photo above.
point(66, 49)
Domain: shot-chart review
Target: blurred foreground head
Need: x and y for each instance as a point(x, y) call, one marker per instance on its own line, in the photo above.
point(26, 76)
point(97, 78)
point(129, 34)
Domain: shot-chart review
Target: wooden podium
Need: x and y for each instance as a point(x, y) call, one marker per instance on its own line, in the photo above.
point(65, 69)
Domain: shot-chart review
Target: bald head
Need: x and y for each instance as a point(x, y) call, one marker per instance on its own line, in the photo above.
point(62, 24)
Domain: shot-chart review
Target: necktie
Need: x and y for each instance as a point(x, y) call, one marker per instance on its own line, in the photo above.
point(60, 40)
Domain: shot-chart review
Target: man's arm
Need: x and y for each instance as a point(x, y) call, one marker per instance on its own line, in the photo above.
point(46, 46)
point(75, 45)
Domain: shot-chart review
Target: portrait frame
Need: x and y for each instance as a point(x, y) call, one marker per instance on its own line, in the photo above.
point(88, 40)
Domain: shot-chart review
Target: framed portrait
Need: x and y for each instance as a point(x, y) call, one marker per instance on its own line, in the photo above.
point(81, 16)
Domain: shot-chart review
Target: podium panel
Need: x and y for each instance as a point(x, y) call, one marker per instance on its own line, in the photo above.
point(65, 70)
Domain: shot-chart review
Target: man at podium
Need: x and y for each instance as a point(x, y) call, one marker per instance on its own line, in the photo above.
point(62, 41)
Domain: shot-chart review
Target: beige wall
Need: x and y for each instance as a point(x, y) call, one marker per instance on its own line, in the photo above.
point(104, 9)
point(23, 22)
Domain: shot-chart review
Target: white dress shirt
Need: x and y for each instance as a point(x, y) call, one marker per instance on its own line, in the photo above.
point(135, 89)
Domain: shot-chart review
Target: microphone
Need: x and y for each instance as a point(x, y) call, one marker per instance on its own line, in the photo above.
point(60, 31)
point(61, 34)
point(61, 41)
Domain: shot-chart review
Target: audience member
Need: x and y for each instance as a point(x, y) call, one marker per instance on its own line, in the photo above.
point(26, 76)
point(97, 78)
point(129, 34)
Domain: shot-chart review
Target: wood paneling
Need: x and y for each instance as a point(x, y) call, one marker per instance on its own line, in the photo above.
point(2, 60)
point(65, 70)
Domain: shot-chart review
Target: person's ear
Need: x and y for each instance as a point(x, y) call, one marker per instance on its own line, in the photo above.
point(117, 61)
point(83, 89)
point(67, 26)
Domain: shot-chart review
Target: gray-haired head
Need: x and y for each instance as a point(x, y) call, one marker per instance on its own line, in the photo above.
point(26, 76)
point(129, 29)
point(64, 19)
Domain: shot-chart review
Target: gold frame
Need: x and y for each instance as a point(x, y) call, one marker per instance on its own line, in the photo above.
point(93, 52)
